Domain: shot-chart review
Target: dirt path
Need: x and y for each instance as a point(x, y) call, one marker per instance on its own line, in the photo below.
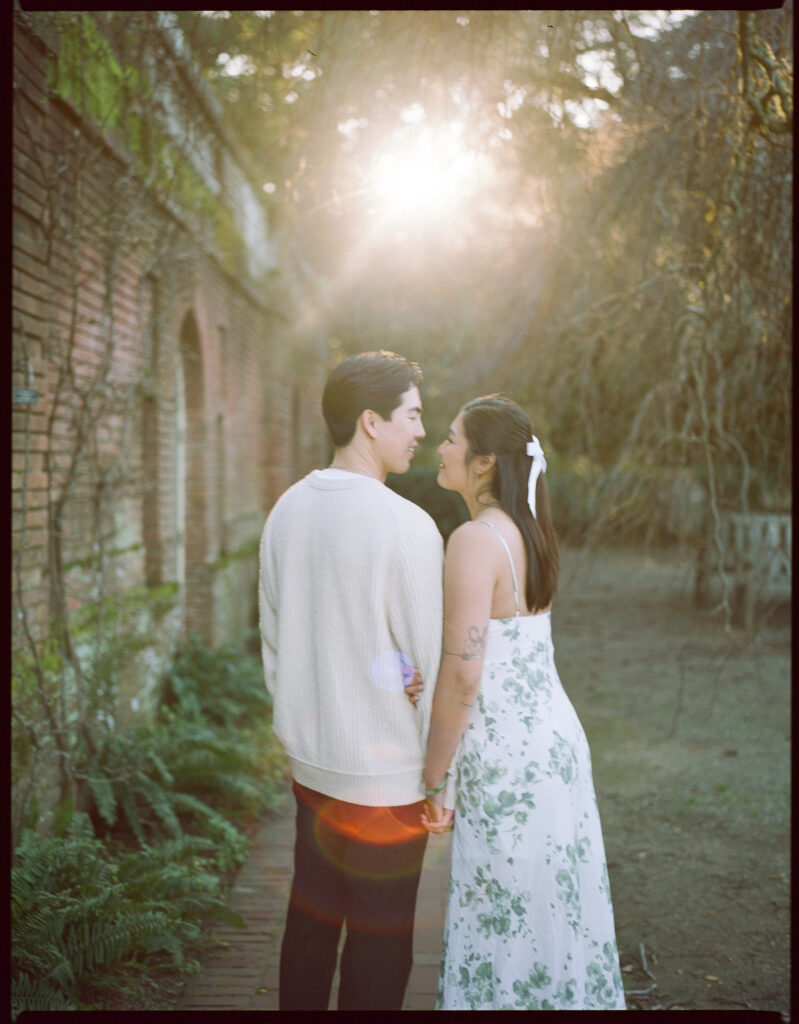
point(690, 740)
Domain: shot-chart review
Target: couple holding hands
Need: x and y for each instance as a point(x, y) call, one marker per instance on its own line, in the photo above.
point(354, 592)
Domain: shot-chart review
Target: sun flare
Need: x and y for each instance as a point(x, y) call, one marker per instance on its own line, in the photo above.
point(424, 177)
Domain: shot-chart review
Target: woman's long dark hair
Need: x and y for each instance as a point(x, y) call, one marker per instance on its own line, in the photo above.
point(495, 425)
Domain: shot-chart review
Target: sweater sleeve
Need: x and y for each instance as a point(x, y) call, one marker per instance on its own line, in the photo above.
point(266, 612)
point(416, 610)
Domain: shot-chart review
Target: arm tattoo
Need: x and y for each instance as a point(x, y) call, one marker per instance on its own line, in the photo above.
point(474, 645)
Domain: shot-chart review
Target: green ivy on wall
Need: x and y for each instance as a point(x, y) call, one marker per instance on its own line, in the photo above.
point(87, 73)
point(118, 98)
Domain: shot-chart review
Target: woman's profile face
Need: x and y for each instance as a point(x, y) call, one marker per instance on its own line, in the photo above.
point(452, 475)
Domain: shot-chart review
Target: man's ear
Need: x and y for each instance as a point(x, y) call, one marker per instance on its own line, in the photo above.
point(368, 421)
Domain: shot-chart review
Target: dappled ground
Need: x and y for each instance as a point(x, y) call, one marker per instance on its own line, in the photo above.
point(690, 739)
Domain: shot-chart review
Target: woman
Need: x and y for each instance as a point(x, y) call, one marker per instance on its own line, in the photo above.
point(529, 919)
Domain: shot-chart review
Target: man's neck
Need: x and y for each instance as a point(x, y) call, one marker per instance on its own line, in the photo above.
point(353, 461)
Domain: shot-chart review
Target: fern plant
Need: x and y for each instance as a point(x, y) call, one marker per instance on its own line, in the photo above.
point(223, 685)
point(175, 874)
point(235, 770)
point(86, 906)
point(176, 778)
point(228, 847)
point(77, 915)
point(211, 740)
point(227, 753)
point(70, 916)
point(129, 781)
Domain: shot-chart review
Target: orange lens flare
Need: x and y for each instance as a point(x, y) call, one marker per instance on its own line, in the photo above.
point(335, 827)
point(380, 827)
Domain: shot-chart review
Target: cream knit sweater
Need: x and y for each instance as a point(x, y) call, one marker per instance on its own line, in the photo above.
point(350, 577)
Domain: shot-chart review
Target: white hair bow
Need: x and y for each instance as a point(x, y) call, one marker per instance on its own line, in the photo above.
point(539, 465)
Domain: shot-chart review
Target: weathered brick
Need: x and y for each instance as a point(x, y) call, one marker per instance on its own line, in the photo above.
point(36, 481)
point(28, 500)
point(26, 184)
point(59, 300)
point(30, 557)
point(28, 578)
point(33, 462)
point(28, 440)
point(35, 307)
point(28, 62)
point(27, 205)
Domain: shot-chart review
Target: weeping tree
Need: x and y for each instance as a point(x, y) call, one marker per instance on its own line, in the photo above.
point(665, 344)
point(323, 100)
point(621, 263)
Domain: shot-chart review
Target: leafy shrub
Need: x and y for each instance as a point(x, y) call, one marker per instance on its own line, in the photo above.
point(216, 730)
point(572, 497)
point(129, 781)
point(173, 778)
point(222, 686)
point(209, 757)
point(78, 913)
point(241, 773)
point(175, 875)
point(136, 876)
point(571, 488)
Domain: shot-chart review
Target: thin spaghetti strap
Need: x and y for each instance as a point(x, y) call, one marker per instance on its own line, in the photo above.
point(510, 560)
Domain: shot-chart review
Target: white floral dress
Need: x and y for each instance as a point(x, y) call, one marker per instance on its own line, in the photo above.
point(529, 922)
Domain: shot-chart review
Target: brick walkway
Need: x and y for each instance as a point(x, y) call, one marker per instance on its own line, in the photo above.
point(244, 974)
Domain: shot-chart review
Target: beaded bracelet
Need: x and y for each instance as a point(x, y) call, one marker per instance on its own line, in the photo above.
point(432, 792)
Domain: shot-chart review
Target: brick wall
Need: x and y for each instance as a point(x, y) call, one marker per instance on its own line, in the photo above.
point(166, 421)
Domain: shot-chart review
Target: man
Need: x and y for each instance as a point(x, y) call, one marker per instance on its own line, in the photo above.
point(350, 601)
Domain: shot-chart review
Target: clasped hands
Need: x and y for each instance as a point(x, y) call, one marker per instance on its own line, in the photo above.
point(435, 817)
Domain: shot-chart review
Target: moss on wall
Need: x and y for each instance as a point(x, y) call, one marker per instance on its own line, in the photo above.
point(117, 98)
point(127, 606)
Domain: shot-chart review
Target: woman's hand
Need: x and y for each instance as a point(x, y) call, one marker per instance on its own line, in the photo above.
point(435, 817)
point(445, 824)
point(414, 687)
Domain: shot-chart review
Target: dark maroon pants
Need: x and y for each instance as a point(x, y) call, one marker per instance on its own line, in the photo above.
point(358, 866)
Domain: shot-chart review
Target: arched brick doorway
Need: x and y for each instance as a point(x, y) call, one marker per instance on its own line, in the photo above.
point(191, 485)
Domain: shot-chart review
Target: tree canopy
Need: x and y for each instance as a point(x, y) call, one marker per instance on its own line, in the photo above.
point(610, 238)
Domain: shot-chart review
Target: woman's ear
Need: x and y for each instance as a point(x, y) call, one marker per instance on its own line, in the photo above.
point(485, 463)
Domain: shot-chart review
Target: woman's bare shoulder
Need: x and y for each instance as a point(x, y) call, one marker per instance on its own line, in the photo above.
point(465, 534)
point(470, 571)
point(472, 539)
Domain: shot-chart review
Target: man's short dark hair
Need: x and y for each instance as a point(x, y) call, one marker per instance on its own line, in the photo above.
point(371, 380)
